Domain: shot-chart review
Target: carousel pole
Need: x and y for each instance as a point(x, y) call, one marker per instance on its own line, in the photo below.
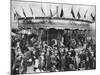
point(46, 49)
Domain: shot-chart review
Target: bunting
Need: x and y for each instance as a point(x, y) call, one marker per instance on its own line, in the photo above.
point(57, 11)
point(16, 15)
point(51, 15)
point(72, 12)
point(85, 14)
point(24, 13)
point(56, 15)
point(93, 17)
point(62, 13)
point(43, 11)
point(32, 13)
point(78, 15)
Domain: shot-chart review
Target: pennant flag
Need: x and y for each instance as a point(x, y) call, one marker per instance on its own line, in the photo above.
point(93, 17)
point(57, 11)
point(51, 15)
point(78, 15)
point(62, 13)
point(32, 13)
point(72, 12)
point(24, 12)
point(42, 11)
point(85, 14)
point(16, 15)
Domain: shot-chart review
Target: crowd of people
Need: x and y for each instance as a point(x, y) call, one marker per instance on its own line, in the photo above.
point(67, 50)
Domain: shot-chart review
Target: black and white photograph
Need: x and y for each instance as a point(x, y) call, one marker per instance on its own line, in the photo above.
point(52, 37)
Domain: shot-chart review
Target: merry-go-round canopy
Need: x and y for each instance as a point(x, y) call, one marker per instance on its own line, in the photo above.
point(58, 16)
